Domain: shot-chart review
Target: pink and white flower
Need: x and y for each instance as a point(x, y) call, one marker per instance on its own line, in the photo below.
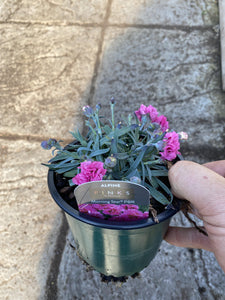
point(183, 135)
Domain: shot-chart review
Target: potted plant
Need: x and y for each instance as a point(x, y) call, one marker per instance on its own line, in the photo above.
point(116, 240)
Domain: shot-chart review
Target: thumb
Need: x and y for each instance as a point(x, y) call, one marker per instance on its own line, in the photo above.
point(204, 188)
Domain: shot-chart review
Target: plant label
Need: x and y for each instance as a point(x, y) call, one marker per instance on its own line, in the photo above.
point(113, 199)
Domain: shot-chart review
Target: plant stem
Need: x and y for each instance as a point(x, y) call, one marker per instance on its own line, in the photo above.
point(112, 112)
point(98, 125)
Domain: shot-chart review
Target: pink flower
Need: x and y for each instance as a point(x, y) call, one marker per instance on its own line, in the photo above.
point(144, 110)
point(171, 147)
point(141, 111)
point(164, 125)
point(153, 113)
point(90, 171)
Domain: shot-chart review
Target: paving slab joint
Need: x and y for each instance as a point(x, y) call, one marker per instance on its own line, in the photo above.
point(97, 62)
point(51, 282)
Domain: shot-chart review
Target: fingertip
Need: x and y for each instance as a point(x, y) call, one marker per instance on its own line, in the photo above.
point(177, 176)
point(217, 166)
point(197, 184)
point(180, 167)
point(187, 238)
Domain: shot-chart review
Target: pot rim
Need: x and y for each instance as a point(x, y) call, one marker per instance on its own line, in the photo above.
point(168, 213)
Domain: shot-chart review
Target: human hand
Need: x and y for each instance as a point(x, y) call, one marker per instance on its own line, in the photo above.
point(204, 187)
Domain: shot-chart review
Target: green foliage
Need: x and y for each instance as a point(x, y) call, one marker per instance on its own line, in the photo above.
point(134, 146)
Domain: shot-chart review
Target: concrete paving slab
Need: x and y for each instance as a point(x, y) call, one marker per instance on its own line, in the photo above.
point(177, 71)
point(57, 12)
point(163, 12)
point(45, 77)
point(154, 52)
point(30, 221)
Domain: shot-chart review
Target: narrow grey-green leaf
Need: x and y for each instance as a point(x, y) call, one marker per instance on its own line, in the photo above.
point(79, 137)
point(121, 132)
point(64, 162)
point(157, 195)
point(99, 152)
point(149, 173)
point(107, 129)
point(153, 182)
point(63, 170)
point(58, 157)
point(122, 155)
point(71, 173)
point(159, 172)
point(166, 189)
point(74, 155)
point(114, 145)
point(135, 164)
point(143, 172)
point(151, 163)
